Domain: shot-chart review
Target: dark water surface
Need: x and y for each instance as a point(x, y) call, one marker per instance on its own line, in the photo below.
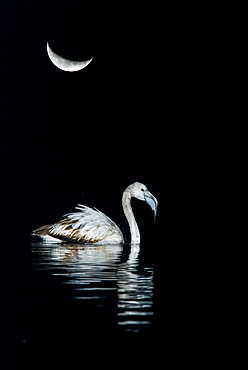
point(75, 299)
point(96, 278)
point(64, 305)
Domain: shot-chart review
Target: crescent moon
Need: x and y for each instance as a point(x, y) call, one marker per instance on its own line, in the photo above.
point(66, 64)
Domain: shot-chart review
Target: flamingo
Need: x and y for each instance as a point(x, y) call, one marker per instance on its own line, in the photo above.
point(91, 226)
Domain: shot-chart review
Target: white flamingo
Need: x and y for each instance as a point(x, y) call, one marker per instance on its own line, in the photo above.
point(90, 226)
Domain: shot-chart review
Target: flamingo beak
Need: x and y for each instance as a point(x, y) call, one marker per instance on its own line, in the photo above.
point(152, 201)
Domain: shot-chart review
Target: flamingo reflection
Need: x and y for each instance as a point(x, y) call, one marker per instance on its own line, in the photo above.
point(98, 274)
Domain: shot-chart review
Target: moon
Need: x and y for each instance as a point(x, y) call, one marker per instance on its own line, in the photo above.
point(66, 64)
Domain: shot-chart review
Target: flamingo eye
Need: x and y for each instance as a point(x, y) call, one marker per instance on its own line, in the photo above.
point(142, 190)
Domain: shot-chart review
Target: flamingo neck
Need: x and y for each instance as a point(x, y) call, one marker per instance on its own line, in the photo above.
point(126, 204)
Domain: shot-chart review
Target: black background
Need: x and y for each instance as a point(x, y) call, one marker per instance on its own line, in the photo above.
point(151, 107)
point(163, 102)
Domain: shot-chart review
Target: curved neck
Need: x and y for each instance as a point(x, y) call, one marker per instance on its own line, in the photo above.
point(126, 204)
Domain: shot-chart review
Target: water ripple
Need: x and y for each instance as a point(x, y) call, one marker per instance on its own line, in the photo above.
point(98, 275)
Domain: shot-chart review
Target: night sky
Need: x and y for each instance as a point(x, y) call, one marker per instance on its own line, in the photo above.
point(152, 107)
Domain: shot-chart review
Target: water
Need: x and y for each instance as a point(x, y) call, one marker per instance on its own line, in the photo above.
point(63, 302)
point(74, 304)
point(98, 280)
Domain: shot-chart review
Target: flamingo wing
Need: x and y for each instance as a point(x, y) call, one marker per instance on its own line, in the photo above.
point(86, 226)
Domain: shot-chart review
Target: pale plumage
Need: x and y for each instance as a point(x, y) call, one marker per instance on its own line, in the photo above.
point(92, 226)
